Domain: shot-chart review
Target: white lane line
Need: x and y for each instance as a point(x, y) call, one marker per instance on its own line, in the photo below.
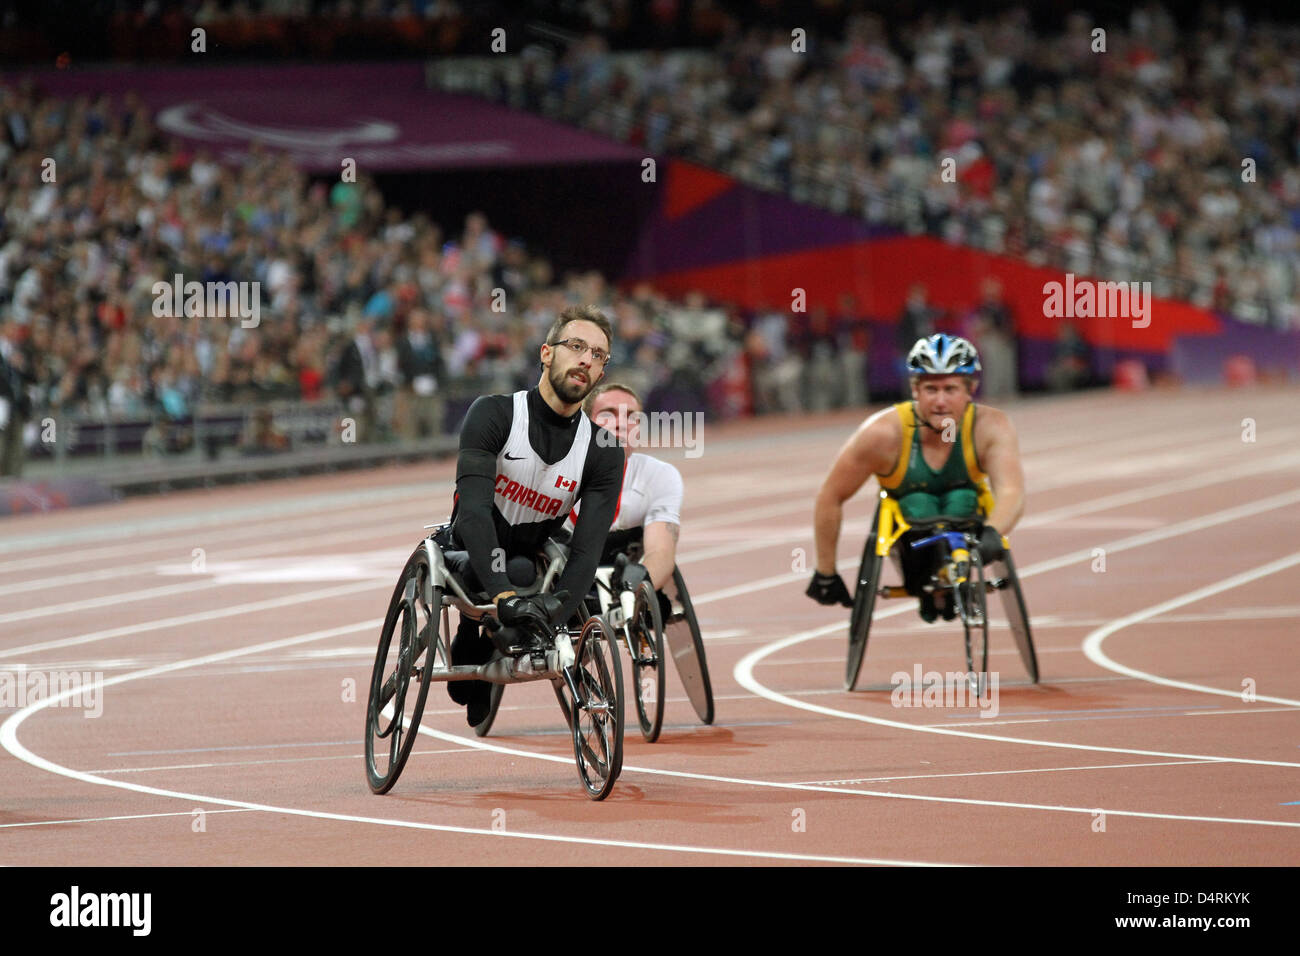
point(368, 525)
point(108, 600)
point(999, 722)
point(744, 675)
point(1065, 560)
point(1092, 643)
point(744, 669)
point(1001, 773)
point(198, 617)
point(165, 547)
point(886, 794)
point(204, 750)
point(1127, 497)
point(329, 501)
point(255, 763)
point(10, 742)
point(1201, 479)
point(127, 816)
point(291, 549)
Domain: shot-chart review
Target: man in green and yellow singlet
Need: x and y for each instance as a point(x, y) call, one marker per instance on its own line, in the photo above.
point(934, 454)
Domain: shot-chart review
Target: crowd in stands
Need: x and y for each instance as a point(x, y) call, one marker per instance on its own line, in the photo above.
point(1125, 164)
point(1121, 155)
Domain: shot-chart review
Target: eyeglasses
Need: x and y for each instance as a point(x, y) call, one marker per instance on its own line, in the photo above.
point(578, 347)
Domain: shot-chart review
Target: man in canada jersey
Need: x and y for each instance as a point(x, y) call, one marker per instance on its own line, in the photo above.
point(935, 454)
point(650, 505)
point(525, 461)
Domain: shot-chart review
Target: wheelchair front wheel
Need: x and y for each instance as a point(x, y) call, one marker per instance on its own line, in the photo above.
point(494, 704)
point(972, 602)
point(596, 711)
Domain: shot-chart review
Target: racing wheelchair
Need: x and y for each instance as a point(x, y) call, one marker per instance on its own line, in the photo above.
point(580, 659)
point(960, 575)
point(648, 622)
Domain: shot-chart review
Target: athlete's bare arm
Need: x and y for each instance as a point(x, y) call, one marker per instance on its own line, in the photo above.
point(998, 449)
point(872, 449)
point(659, 542)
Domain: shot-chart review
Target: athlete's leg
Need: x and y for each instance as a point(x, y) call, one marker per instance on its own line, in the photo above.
point(918, 566)
point(470, 645)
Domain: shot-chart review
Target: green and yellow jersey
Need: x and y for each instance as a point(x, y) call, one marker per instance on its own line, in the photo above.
point(958, 488)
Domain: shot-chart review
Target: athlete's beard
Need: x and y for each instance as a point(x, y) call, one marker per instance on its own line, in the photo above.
point(570, 392)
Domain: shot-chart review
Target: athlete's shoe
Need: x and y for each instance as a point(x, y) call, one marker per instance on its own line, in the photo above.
point(929, 613)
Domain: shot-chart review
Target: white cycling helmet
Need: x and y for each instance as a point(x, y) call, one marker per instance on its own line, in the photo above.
point(942, 354)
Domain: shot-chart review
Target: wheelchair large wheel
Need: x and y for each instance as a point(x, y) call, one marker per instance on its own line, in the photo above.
point(1013, 603)
point(596, 712)
point(645, 634)
point(972, 603)
point(864, 605)
point(686, 645)
point(494, 703)
point(394, 705)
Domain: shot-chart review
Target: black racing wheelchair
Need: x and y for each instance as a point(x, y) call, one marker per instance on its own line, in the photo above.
point(959, 577)
point(652, 625)
point(580, 660)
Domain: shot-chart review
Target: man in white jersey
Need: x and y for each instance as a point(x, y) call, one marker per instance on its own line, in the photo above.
point(650, 504)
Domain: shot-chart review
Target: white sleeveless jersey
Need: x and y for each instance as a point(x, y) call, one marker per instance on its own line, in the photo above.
point(527, 489)
point(652, 491)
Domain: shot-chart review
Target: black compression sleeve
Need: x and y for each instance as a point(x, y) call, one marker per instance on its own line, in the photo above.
point(487, 425)
point(601, 483)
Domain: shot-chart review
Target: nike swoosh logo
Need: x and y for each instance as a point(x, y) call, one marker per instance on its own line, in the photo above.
point(515, 457)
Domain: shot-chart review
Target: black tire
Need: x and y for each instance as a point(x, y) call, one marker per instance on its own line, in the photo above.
point(596, 716)
point(864, 605)
point(975, 623)
point(494, 703)
point(413, 615)
point(1013, 603)
point(649, 669)
point(686, 645)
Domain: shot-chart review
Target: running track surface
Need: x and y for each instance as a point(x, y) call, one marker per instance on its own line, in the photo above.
point(229, 626)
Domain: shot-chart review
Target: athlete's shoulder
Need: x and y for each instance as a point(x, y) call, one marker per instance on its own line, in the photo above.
point(653, 467)
point(496, 406)
point(988, 418)
point(604, 456)
point(993, 427)
point(885, 424)
point(487, 423)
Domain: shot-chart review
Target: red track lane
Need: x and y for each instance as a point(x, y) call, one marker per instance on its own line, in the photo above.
point(1137, 762)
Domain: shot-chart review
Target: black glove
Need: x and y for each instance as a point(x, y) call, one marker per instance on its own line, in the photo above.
point(534, 613)
point(990, 546)
point(829, 589)
point(628, 575)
